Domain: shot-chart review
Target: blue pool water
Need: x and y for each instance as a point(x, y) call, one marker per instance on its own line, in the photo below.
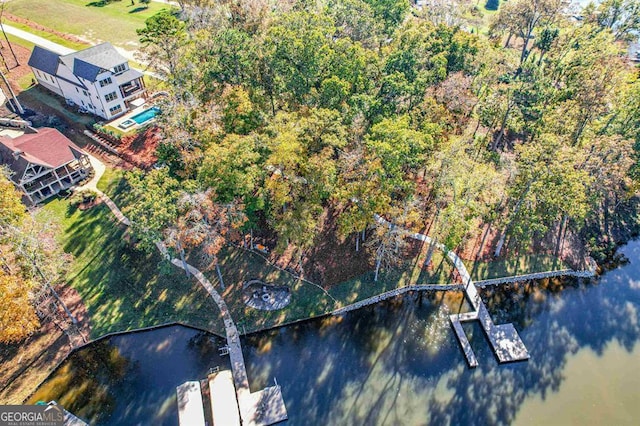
point(146, 115)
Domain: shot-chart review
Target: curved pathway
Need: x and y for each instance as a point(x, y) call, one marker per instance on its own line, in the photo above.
point(504, 339)
point(264, 407)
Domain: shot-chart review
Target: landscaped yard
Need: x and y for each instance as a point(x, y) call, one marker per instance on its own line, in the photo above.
point(122, 288)
point(93, 20)
point(239, 265)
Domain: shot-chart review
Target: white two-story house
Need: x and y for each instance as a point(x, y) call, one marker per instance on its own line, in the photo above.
point(97, 79)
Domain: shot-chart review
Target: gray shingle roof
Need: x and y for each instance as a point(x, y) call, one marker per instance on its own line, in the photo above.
point(87, 63)
point(44, 60)
point(127, 76)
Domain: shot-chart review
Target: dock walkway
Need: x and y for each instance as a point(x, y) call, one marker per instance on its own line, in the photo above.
point(264, 407)
point(504, 339)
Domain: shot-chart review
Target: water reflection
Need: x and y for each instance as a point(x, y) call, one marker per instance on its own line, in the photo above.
point(396, 363)
point(131, 379)
point(379, 366)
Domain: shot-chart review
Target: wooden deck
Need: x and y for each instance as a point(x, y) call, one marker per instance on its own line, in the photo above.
point(464, 342)
point(190, 405)
point(224, 405)
point(504, 339)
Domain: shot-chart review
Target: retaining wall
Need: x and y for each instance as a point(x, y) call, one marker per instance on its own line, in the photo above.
point(536, 276)
point(396, 292)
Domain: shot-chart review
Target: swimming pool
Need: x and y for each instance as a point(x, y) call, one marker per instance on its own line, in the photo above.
point(146, 115)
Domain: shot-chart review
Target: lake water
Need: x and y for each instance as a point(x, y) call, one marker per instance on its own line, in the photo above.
point(396, 363)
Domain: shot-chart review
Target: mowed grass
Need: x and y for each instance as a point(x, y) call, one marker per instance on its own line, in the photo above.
point(122, 288)
point(115, 22)
point(520, 265)
point(239, 266)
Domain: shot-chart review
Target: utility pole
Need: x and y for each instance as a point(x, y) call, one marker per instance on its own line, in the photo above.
point(16, 102)
point(15, 58)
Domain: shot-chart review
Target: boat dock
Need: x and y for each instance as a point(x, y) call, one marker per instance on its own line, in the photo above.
point(504, 338)
point(261, 408)
point(190, 406)
point(464, 342)
point(224, 406)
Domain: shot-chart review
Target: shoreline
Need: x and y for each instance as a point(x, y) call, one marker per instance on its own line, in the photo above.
point(336, 312)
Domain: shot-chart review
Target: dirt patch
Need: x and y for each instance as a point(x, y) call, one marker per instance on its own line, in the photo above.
point(17, 65)
point(140, 148)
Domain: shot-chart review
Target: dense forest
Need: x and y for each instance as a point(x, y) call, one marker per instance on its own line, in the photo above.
point(298, 122)
point(286, 115)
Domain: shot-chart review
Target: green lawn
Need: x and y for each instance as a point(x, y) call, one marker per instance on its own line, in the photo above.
point(122, 288)
point(238, 266)
point(523, 264)
point(411, 273)
point(115, 22)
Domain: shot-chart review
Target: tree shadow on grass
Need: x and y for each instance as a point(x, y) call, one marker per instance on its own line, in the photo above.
point(99, 3)
point(139, 9)
point(124, 288)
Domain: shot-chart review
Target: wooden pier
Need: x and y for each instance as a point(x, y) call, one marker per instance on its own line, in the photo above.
point(261, 408)
point(464, 342)
point(190, 405)
point(504, 339)
point(224, 405)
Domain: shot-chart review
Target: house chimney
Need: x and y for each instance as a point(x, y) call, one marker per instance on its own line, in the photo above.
point(17, 153)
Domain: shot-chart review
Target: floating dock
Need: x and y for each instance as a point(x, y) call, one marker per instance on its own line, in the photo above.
point(464, 342)
point(190, 405)
point(504, 338)
point(224, 405)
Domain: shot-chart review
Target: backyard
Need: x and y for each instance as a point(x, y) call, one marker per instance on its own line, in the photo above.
point(122, 288)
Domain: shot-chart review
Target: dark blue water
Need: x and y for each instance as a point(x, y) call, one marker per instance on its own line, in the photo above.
point(398, 362)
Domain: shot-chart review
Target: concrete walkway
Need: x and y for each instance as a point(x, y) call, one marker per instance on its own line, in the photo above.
point(42, 42)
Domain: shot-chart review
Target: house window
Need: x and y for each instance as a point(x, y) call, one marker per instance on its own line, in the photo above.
point(84, 92)
point(116, 109)
point(110, 97)
point(105, 82)
point(119, 69)
point(77, 90)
